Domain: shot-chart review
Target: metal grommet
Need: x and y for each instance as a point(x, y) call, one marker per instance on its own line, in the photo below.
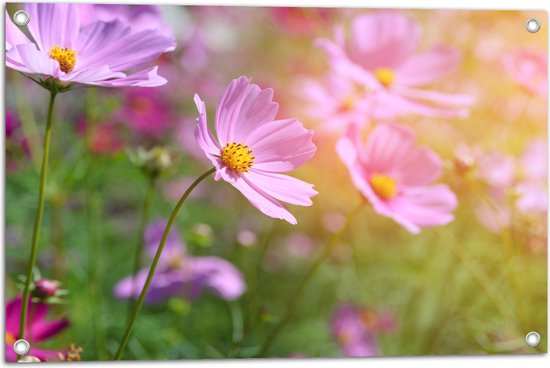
point(533, 25)
point(21, 347)
point(532, 338)
point(21, 18)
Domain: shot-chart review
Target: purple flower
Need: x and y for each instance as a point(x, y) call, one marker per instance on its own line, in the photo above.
point(354, 330)
point(146, 111)
point(179, 274)
point(101, 53)
point(38, 329)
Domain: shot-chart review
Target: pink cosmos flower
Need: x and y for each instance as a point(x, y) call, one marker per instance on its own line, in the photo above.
point(336, 102)
point(355, 328)
point(380, 56)
point(180, 274)
point(38, 329)
point(397, 178)
point(101, 53)
point(529, 69)
point(252, 148)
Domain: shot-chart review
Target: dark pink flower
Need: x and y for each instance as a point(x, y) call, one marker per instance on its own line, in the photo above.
point(397, 177)
point(180, 274)
point(529, 69)
point(355, 328)
point(252, 148)
point(380, 57)
point(38, 329)
point(101, 53)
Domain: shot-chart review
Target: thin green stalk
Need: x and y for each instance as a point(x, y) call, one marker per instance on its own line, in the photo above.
point(171, 220)
point(151, 185)
point(38, 217)
point(329, 247)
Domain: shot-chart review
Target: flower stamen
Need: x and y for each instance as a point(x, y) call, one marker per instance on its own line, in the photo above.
point(384, 186)
point(66, 58)
point(385, 76)
point(237, 157)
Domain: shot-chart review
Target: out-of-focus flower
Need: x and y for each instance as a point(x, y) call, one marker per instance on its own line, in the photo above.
point(355, 328)
point(513, 183)
point(101, 53)
point(140, 17)
point(152, 161)
point(299, 245)
point(247, 238)
point(380, 56)
point(334, 221)
point(180, 274)
point(146, 111)
point(529, 69)
point(299, 21)
point(252, 148)
point(38, 329)
point(186, 138)
point(12, 122)
point(336, 102)
point(105, 138)
point(397, 177)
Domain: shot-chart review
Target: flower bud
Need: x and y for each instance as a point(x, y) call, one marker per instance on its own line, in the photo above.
point(45, 288)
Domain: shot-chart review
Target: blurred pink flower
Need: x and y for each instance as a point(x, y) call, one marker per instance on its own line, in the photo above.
point(355, 328)
point(38, 329)
point(299, 245)
point(105, 138)
point(252, 149)
point(529, 69)
point(101, 53)
point(380, 57)
point(146, 111)
point(397, 177)
point(180, 274)
point(12, 122)
point(300, 20)
point(140, 17)
point(336, 102)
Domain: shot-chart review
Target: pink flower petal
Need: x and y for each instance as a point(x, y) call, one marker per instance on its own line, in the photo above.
point(259, 198)
point(203, 135)
point(14, 36)
point(53, 25)
point(421, 167)
point(28, 59)
point(388, 146)
point(428, 67)
point(283, 187)
point(43, 330)
point(281, 145)
point(144, 78)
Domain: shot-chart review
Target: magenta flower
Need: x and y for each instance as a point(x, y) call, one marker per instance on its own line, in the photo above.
point(12, 123)
point(380, 56)
point(529, 69)
point(354, 329)
point(397, 178)
point(252, 148)
point(38, 329)
point(146, 111)
point(101, 53)
point(180, 274)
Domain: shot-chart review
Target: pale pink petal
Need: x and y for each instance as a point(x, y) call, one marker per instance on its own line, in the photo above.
point(14, 36)
point(382, 39)
point(421, 167)
point(388, 146)
point(281, 145)
point(95, 36)
point(132, 51)
point(259, 198)
point(91, 76)
point(203, 135)
point(434, 96)
point(229, 109)
point(33, 61)
point(53, 25)
point(410, 105)
point(424, 207)
point(428, 67)
point(283, 187)
point(258, 109)
point(144, 78)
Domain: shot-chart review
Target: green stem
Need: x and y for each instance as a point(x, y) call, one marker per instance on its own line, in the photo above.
point(38, 218)
point(139, 243)
point(141, 298)
point(329, 247)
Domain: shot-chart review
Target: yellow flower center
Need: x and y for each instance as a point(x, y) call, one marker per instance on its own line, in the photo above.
point(237, 157)
point(384, 186)
point(348, 103)
point(65, 57)
point(385, 76)
point(10, 339)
